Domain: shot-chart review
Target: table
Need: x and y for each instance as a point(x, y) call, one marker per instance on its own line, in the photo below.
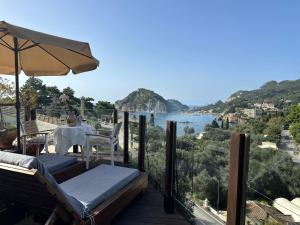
point(65, 137)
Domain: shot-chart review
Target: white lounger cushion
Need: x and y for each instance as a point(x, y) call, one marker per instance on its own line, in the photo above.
point(56, 162)
point(95, 186)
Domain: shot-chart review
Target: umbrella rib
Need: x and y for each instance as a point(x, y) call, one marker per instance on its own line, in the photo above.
point(31, 46)
point(54, 57)
point(80, 53)
point(24, 44)
point(4, 35)
point(6, 44)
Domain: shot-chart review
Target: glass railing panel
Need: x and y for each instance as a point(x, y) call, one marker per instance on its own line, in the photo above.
point(201, 178)
point(273, 186)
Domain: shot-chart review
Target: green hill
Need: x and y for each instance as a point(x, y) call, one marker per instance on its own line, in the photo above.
point(279, 93)
point(143, 100)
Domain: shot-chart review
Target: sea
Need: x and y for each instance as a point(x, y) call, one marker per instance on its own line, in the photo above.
point(197, 121)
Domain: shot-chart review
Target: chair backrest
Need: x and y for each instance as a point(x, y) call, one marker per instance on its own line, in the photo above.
point(28, 127)
point(116, 129)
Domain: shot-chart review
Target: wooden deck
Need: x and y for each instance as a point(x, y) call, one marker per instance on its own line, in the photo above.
point(148, 209)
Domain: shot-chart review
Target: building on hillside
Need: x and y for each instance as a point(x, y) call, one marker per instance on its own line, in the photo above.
point(252, 113)
point(265, 106)
point(268, 144)
point(287, 208)
point(257, 213)
point(232, 117)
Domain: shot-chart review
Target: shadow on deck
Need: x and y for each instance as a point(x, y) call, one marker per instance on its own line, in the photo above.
point(148, 209)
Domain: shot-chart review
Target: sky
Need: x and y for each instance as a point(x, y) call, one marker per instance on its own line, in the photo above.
point(195, 51)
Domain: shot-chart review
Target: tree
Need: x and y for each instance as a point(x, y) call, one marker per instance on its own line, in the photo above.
point(188, 130)
point(7, 91)
point(103, 107)
point(88, 103)
point(294, 114)
point(151, 122)
point(28, 99)
point(274, 127)
point(69, 92)
point(34, 83)
point(214, 124)
point(53, 91)
point(295, 131)
point(222, 124)
point(258, 126)
point(37, 85)
point(227, 124)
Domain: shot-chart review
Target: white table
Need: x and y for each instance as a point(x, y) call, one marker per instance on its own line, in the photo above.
point(65, 137)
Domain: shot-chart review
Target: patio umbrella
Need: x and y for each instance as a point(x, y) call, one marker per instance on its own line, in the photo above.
point(39, 54)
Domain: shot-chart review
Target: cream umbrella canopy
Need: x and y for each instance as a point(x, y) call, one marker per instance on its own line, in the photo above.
point(39, 54)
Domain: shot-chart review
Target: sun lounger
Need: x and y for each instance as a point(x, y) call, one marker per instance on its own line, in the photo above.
point(94, 197)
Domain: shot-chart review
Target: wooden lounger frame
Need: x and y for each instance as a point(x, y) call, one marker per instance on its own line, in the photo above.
point(31, 189)
point(69, 172)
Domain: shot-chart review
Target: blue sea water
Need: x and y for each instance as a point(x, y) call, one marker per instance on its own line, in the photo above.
point(197, 121)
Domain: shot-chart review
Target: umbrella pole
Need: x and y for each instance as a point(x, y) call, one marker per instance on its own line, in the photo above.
point(16, 50)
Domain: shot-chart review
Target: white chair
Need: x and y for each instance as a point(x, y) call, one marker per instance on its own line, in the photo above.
point(31, 134)
point(100, 140)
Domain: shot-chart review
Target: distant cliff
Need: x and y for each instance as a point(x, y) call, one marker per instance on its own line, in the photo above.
point(143, 100)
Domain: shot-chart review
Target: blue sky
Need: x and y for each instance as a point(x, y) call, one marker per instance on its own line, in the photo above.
point(195, 51)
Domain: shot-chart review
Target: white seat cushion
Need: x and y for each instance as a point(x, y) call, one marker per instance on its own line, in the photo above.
point(97, 140)
point(95, 186)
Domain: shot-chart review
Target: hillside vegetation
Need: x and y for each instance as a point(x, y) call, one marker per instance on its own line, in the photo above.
point(278, 93)
point(143, 100)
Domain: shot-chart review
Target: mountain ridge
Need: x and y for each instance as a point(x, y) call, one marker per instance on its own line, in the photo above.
point(278, 93)
point(144, 100)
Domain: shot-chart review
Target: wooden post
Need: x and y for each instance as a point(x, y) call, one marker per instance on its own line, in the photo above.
point(82, 106)
point(126, 136)
point(238, 175)
point(142, 134)
point(115, 116)
point(170, 166)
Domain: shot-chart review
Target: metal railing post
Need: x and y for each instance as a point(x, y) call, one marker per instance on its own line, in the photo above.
point(126, 137)
point(170, 166)
point(142, 134)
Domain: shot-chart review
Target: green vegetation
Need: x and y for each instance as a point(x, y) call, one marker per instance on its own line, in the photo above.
point(293, 120)
point(273, 128)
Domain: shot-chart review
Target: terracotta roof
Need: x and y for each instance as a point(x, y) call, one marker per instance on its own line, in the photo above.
point(254, 211)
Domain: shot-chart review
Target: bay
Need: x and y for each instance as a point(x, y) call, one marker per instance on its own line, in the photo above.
point(197, 121)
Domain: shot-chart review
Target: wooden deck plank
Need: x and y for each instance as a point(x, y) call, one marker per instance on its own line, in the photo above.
point(148, 209)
